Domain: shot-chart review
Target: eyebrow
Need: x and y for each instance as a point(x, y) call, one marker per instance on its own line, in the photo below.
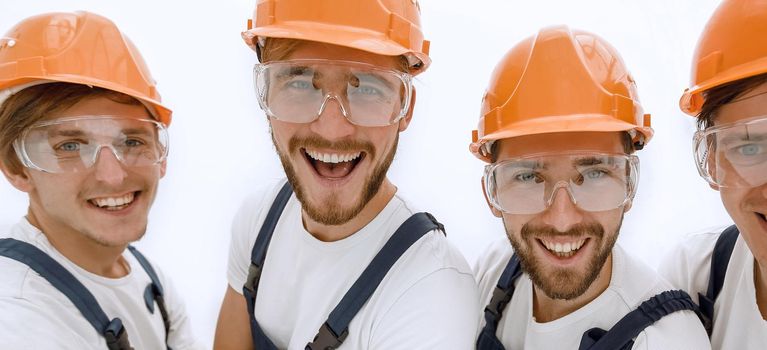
point(377, 77)
point(743, 136)
point(531, 164)
point(586, 161)
point(66, 132)
point(291, 72)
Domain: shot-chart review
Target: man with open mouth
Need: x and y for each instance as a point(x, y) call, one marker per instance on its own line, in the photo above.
point(84, 134)
point(345, 261)
point(726, 270)
point(559, 125)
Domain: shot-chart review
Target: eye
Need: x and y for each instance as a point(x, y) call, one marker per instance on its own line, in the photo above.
point(750, 149)
point(593, 174)
point(134, 142)
point(69, 146)
point(300, 85)
point(590, 174)
point(368, 90)
point(528, 177)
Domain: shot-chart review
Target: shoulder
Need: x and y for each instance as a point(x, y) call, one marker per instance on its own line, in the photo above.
point(431, 261)
point(490, 265)
point(61, 324)
point(688, 264)
point(430, 254)
point(16, 276)
point(637, 283)
point(678, 330)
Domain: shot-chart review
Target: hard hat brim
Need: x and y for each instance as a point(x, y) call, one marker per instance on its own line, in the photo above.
point(364, 40)
point(692, 99)
point(162, 113)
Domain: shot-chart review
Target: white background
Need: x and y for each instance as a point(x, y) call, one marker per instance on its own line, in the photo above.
point(221, 150)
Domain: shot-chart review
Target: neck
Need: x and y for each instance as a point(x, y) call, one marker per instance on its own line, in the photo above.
point(83, 251)
point(331, 233)
point(760, 284)
point(546, 309)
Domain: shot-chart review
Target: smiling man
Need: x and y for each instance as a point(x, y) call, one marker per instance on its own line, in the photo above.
point(726, 270)
point(560, 122)
point(84, 134)
point(346, 261)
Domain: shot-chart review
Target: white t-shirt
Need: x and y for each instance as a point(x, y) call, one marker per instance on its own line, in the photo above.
point(631, 283)
point(36, 315)
point(428, 300)
point(737, 321)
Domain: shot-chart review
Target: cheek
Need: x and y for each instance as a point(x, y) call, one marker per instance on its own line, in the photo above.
point(281, 133)
point(514, 223)
point(732, 199)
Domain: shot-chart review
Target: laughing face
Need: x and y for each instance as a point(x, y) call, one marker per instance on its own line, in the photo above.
point(564, 248)
point(106, 204)
point(335, 167)
point(747, 206)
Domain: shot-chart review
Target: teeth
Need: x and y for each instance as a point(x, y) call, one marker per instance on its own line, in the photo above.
point(332, 157)
point(563, 249)
point(113, 201)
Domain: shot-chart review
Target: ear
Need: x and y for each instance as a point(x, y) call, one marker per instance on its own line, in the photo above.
point(22, 181)
point(404, 122)
point(714, 187)
point(163, 167)
point(495, 212)
point(627, 206)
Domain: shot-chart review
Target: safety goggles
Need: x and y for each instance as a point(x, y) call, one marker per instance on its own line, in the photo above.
point(297, 91)
point(733, 155)
point(594, 181)
point(68, 145)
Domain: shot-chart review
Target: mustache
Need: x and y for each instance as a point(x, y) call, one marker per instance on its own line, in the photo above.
point(314, 141)
point(578, 230)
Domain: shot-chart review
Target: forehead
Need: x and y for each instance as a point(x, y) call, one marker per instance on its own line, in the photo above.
point(565, 142)
point(315, 50)
point(749, 105)
point(100, 105)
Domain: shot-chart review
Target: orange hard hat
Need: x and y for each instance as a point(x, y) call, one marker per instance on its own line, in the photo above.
point(559, 81)
point(80, 48)
point(384, 27)
point(733, 46)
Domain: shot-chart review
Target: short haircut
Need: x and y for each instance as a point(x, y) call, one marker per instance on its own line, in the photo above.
point(724, 94)
point(628, 146)
point(33, 104)
point(278, 49)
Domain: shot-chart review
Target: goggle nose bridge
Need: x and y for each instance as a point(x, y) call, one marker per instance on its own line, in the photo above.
point(566, 186)
point(338, 99)
point(96, 153)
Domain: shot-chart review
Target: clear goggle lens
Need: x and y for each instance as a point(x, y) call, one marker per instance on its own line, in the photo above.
point(69, 145)
point(733, 155)
point(297, 91)
point(595, 182)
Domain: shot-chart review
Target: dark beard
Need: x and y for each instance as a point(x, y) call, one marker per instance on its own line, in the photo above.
point(563, 283)
point(330, 213)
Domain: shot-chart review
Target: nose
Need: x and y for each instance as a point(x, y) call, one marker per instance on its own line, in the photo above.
point(108, 167)
point(332, 123)
point(562, 213)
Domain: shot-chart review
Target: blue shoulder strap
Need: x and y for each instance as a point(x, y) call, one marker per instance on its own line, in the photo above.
point(333, 332)
point(153, 292)
point(502, 294)
point(621, 335)
point(257, 257)
point(720, 259)
point(25, 253)
point(335, 329)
